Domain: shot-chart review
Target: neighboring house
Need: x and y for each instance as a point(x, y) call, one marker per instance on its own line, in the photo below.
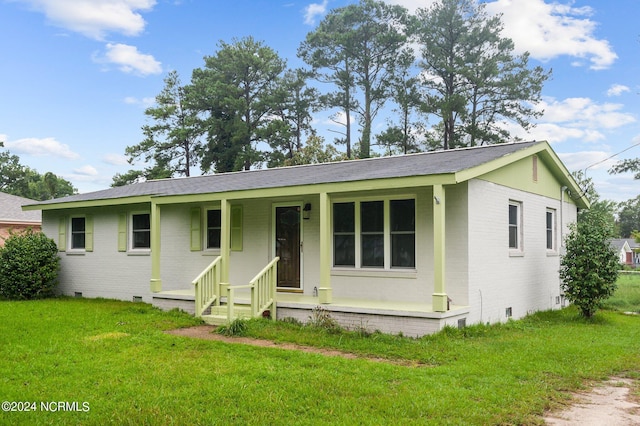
point(399, 244)
point(627, 249)
point(13, 218)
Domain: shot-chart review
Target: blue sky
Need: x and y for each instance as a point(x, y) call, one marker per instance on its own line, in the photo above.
point(76, 75)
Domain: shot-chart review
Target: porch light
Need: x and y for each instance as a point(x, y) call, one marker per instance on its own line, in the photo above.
point(306, 211)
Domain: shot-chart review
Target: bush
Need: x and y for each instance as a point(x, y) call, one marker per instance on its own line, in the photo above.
point(29, 265)
point(589, 269)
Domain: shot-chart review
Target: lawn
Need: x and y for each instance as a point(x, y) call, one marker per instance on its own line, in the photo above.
point(110, 363)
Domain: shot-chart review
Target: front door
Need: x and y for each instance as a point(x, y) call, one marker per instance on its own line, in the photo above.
point(287, 245)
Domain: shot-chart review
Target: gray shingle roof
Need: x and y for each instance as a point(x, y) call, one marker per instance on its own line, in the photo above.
point(11, 210)
point(422, 164)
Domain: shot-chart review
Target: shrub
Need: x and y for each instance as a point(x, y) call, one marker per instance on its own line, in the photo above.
point(237, 327)
point(29, 265)
point(322, 319)
point(589, 268)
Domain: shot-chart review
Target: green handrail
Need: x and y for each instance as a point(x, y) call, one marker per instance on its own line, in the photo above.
point(207, 287)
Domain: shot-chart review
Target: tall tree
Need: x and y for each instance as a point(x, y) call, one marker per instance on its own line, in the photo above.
point(358, 44)
point(236, 91)
point(171, 144)
point(473, 80)
point(629, 217)
point(293, 104)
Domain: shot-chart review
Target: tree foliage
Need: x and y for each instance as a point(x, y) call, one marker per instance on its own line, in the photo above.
point(237, 91)
point(22, 181)
point(29, 265)
point(628, 165)
point(171, 142)
point(472, 79)
point(359, 45)
point(629, 217)
point(589, 269)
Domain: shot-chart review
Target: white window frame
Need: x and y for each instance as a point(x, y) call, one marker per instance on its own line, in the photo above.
point(131, 232)
point(519, 247)
point(387, 233)
point(553, 230)
point(70, 238)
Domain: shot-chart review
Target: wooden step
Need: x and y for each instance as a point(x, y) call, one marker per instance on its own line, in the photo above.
point(218, 315)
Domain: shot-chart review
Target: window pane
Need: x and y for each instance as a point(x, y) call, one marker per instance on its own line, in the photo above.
point(549, 239)
point(141, 221)
point(513, 237)
point(373, 250)
point(141, 239)
point(213, 228)
point(344, 250)
point(344, 217)
point(78, 240)
point(77, 224)
point(372, 216)
point(403, 215)
point(513, 214)
point(549, 220)
point(403, 250)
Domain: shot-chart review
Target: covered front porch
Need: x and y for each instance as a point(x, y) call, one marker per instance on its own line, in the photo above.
point(409, 318)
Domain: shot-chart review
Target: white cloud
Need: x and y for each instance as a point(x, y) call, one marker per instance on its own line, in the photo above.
point(593, 160)
point(549, 30)
point(115, 159)
point(585, 113)
point(41, 148)
point(129, 60)
point(546, 29)
point(314, 10)
point(145, 102)
point(617, 90)
point(86, 171)
point(95, 18)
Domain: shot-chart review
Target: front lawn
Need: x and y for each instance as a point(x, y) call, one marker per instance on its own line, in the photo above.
point(113, 360)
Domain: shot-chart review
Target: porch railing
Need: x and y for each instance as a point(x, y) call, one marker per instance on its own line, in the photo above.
point(207, 287)
point(263, 292)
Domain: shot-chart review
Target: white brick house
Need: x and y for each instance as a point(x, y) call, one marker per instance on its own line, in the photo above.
point(400, 244)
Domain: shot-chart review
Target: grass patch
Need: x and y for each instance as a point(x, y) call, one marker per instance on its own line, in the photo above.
point(627, 296)
point(115, 356)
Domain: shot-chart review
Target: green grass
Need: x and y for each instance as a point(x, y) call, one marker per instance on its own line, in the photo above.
point(627, 295)
point(115, 356)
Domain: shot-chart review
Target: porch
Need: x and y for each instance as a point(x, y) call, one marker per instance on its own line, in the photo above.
point(410, 318)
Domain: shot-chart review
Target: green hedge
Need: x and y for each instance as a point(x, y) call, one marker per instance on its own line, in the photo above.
point(29, 266)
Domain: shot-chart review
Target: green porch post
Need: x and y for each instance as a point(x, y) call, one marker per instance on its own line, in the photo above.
point(156, 281)
point(325, 292)
point(225, 240)
point(439, 297)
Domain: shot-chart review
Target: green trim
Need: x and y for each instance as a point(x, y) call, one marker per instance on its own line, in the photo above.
point(325, 293)
point(156, 280)
point(92, 203)
point(196, 229)
point(88, 233)
point(225, 240)
point(236, 227)
point(122, 231)
point(439, 297)
point(62, 233)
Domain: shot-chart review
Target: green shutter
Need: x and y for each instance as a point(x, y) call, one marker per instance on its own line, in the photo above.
point(236, 228)
point(62, 234)
point(88, 233)
point(196, 233)
point(122, 232)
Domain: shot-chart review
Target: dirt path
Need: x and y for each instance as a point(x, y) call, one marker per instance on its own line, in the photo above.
point(610, 403)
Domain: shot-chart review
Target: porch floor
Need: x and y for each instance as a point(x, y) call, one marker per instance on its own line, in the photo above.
point(351, 305)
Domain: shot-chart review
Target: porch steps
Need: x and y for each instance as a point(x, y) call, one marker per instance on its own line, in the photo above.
point(218, 314)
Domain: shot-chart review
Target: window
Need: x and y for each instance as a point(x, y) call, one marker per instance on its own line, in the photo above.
point(514, 226)
point(213, 229)
point(140, 231)
point(383, 231)
point(403, 234)
point(551, 228)
point(344, 235)
point(78, 236)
